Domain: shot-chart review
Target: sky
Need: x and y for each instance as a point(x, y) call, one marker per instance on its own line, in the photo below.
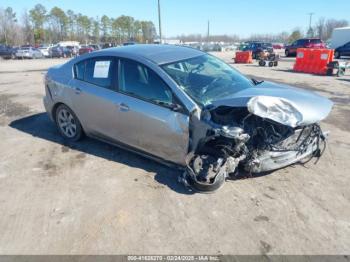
point(240, 17)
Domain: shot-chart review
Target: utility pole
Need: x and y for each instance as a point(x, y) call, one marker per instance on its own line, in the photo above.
point(310, 32)
point(310, 14)
point(208, 31)
point(160, 23)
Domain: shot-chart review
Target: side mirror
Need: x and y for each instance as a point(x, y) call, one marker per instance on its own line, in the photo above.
point(176, 107)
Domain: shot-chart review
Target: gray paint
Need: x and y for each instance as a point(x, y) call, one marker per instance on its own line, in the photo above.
point(147, 127)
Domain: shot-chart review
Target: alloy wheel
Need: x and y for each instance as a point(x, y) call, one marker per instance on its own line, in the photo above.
point(67, 123)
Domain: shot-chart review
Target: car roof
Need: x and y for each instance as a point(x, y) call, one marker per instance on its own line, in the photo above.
point(159, 54)
point(310, 38)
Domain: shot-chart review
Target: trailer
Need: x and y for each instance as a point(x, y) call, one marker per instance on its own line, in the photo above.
point(340, 36)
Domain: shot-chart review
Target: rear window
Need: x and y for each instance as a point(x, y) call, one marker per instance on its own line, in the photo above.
point(315, 41)
point(97, 71)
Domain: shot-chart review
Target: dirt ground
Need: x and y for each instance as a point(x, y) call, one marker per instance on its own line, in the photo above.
point(92, 198)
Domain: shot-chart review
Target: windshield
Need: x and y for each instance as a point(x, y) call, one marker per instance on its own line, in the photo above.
point(206, 78)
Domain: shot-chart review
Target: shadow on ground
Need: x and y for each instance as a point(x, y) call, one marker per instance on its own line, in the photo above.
point(343, 79)
point(40, 126)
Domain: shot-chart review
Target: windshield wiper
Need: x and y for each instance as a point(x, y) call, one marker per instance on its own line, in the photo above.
point(257, 82)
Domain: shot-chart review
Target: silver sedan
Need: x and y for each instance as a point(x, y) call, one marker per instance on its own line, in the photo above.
point(186, 108)
point(29, 52)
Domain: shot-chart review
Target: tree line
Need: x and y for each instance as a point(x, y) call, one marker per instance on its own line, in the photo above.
point(322, 29)
point(39, 25)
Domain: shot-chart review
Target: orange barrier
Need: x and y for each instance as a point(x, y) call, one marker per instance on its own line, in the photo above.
point(313, 61)
point(244, 57)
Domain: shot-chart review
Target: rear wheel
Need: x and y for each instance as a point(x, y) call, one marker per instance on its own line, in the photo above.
point(270, 64)
point(68, 124)
point(287, 53)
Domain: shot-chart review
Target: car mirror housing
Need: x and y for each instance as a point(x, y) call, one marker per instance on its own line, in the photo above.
point(176, 107)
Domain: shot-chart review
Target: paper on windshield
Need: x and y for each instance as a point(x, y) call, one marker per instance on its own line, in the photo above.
point(101, 69)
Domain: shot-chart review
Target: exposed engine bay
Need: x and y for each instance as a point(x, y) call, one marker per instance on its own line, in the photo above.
point(235, 139)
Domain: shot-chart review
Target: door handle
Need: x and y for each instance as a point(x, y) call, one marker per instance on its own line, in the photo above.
point(123, 107)
point(77, 90)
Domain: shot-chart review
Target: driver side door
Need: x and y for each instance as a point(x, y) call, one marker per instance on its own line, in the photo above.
point(147, 118)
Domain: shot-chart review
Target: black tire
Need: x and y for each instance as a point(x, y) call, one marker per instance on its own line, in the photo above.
point(72, 130)
point(262, 63)
point(275, 63)
point(270, 64)
point(287, 53)
point(337, 54)
point(203, 187)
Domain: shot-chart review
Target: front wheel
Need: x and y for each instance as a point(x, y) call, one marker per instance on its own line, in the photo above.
point(68, 124)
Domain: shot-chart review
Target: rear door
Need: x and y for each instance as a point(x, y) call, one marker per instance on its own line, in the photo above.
point(145, 118)
point(94, 97)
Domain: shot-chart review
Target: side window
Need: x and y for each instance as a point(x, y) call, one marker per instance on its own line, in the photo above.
point(79, 70)
point(140, 81)
point(99, 72)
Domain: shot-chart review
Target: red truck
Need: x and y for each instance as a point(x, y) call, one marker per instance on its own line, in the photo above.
point(291, 50)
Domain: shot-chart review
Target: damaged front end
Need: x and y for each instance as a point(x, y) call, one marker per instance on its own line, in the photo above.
point(267, 134)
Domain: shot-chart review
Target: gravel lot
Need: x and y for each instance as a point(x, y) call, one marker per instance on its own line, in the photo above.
point(92, 198)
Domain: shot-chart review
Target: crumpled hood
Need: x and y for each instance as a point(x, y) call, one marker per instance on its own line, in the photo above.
point(282, 103)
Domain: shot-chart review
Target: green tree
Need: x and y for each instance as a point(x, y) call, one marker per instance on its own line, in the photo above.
point(27, 30)
point(7, 25)
point(295, 35)
point(137, 31)
point(125, 24)
point(84, 27)
point(148, 31)
point(59, 22)
point(105, 27)
point(95, 29)
point(71, 22)
point(38, 18)
point(116, 31)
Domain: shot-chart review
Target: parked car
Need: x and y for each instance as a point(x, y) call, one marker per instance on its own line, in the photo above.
point(340, 36)
point(278, 45)
point(291, 50)
point(60, 51)
point(74, 50)
point(108, 45)
point(95, 47)
point(343, 50)
point(85, 49)
point(7, 52)
point(258, 47)
point(185, 108)
point(129, 43)
point(28, 52)
point(211, 48)
point(45, 50)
